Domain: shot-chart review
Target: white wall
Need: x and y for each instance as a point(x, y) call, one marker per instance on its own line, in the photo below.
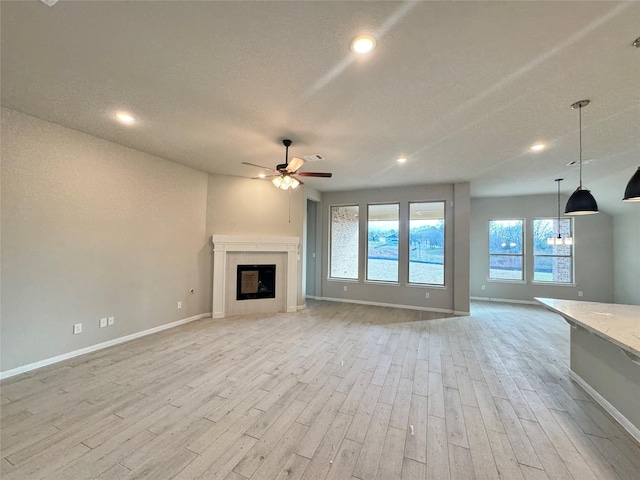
point(92, 229)
point(593, 250)
point(456, 249)
point(626, 252)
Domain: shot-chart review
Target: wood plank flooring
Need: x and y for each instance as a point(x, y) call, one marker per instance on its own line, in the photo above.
point(337, 391)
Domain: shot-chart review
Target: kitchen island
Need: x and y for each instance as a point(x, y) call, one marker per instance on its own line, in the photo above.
point(605, 355)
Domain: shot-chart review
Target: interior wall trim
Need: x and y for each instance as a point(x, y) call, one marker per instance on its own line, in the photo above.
point(504, 300)
point(390, 305)
point(604, 403)
point(99, 346)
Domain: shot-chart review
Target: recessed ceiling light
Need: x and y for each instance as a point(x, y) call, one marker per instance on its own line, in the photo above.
point(261, 175)
point(401, 160)
point(363, 44)
point(538, 147)
point(125, 118)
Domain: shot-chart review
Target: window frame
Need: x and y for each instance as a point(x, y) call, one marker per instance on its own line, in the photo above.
point(522, 254)
point(330, 244)
point(444, 245)
point(571, 256)
point(366, 273)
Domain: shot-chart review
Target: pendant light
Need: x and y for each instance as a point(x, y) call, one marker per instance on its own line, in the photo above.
point(581, 202)
point(632, 192)
point(559, 240)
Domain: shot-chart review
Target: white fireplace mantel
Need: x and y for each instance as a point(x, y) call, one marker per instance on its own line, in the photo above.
point(224, 244)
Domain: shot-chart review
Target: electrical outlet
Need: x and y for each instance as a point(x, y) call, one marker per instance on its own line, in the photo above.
point(484, 287)
point(579, 293)
point(345, 288)
point(427, 295)
point(179, 305)
point(111, 321)
point(77, 328)
point(103, 322)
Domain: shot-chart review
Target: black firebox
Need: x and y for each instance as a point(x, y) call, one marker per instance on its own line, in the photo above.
point(256, 281)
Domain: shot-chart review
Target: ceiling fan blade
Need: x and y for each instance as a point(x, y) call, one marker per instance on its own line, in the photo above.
point(299, 181)
point(259, 166)
point(315, 174)
point(265, 177)
point(294, 164)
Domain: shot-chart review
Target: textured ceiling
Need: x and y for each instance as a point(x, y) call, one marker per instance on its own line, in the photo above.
point(462, 89)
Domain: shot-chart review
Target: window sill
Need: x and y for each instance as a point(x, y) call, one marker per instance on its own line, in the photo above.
point(344, 280)
point(498, 280)
point(554, 284)
point(434, 286)
point(381, 282)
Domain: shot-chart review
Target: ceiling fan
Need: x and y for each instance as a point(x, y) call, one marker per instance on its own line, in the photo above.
point(283, 175)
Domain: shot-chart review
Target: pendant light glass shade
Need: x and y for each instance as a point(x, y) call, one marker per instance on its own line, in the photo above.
point(581, 202)
point(632, 192)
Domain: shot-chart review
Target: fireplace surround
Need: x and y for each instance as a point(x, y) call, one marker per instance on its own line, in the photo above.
point(232, 250)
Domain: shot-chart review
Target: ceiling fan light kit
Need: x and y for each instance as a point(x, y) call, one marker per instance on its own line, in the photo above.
point(581, 202)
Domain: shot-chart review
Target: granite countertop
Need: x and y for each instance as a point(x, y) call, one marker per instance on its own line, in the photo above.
point(620, 324)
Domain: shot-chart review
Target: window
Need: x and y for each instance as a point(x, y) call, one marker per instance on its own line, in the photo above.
point(552, 263)
point(344, 242)
point(382, 242)
point(426, 243)
point(506, 242)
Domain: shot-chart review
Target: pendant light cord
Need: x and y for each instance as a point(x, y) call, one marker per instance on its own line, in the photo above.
point(559, 180)
point(580, 120)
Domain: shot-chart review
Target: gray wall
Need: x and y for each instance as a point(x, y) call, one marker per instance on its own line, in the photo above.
point(626, 253)
point(242, 206)
point(92, 229)
point(456, 248)
point(593, 251)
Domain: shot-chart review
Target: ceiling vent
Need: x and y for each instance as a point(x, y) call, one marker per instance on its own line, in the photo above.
point(576, 162)
point(313, 158)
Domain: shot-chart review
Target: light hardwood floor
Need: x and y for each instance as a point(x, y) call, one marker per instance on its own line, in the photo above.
point(337, 391)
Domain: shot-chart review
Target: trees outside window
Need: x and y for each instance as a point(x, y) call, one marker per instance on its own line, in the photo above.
point(552, 263)
point(382, 242)
point(426, 243)
point(506, 250)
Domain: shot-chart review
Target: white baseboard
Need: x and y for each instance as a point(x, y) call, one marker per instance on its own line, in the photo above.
point(390, 305)
point(302, 307)
point(99, 346)
point(504, 300)
point(604, 403)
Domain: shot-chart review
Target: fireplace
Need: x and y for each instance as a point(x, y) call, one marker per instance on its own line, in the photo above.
point(231, 251)
point(255, 281)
